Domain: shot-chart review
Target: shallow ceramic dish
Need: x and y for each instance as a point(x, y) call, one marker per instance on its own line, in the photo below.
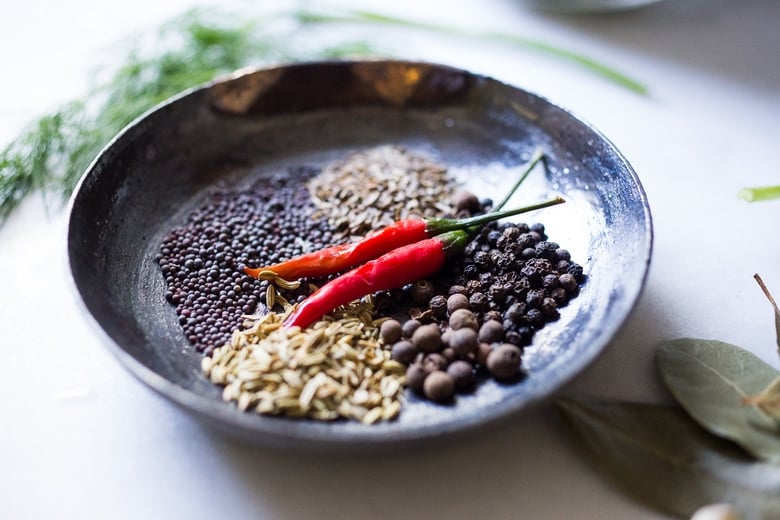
point(233, 131)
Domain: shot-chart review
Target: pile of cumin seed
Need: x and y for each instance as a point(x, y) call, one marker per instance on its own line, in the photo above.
point(373, 188)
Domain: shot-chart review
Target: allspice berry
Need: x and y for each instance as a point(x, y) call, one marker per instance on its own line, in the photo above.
point(462, 374)
point(390, 331)
point(433, 362)
point(403, 351)
point(463, 341)
point(463, 318)
point(427, 338)
point(409, 327)
point(415, 377)
point(466, 201)
point(491, 332)
point(483, 351)
point(439, 386)
point(457, 301)
point(503, 362)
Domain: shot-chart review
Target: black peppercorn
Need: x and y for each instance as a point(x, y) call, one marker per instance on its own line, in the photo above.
point(576, 271)
point(422, 291)
point(562, 254)
point(534, 298)
point(560, 296)
point(438, 306)
point(568, 282)
point(550, 309)
point(478, 301)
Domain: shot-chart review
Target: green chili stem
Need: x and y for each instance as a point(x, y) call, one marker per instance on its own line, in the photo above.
point(599, 68)
point(468, 223)
point(760, 193)
point(537, 156)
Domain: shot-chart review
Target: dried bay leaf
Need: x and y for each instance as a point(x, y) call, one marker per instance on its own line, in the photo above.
point(711, 380)
point(662, 458)
point(767, 400)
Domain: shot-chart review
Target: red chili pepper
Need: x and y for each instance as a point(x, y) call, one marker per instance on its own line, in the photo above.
point(335, 259)
point(397, 268)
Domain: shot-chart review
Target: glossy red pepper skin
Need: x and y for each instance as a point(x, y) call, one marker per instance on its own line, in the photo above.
point(397, 268)
point(339, 258)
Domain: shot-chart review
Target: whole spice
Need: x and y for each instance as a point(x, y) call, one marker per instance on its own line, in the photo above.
point(503, 362)
point(397, 268)
point(439, 386)
point(390, 331)
point(463, 318)
point(404, 351)
point(462, 374)
point(427, 338)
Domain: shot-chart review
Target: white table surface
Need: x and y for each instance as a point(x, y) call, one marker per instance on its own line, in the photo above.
point(82, 438)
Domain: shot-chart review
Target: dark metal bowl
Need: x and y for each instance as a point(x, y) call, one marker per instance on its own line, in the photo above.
point(256, 123)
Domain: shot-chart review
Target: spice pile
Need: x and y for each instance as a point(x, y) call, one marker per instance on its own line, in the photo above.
point(335, 369)
point(473, 320)
point(374, 188)
point(318, 353)
point(202, 259)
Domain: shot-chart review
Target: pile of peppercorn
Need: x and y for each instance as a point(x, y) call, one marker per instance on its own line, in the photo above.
point(474, 319)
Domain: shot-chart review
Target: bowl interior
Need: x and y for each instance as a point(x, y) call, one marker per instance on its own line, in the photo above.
point(232, 132)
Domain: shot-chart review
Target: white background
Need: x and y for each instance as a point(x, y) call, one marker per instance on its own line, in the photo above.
point(81, 438)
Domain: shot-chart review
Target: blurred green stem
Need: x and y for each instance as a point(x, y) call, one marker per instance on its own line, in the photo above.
point(602, 70)
point(761, 193)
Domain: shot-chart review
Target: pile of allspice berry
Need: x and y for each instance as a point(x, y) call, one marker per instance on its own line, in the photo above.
point(473, 320)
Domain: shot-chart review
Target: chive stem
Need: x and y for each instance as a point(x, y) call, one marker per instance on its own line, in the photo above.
point(759, 193)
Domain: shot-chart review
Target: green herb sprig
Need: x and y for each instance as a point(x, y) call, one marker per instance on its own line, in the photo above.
point(52, 153)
